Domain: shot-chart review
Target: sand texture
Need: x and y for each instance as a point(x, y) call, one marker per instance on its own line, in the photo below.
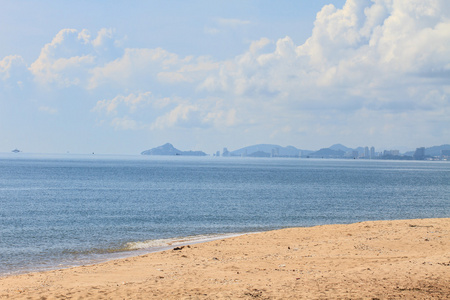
point(369, 260)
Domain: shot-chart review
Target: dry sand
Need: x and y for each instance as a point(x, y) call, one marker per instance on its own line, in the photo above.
point(368, 260)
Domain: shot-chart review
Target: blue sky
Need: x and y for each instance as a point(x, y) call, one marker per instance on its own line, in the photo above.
point(120, 77)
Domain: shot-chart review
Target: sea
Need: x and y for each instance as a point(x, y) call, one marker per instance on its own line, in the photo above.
point(58, 211)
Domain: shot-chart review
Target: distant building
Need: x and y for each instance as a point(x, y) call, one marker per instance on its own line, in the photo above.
point(445, 154)
point(419, 154)
point(275, 152)
point(391, 153)
point(226, 152)
point(372, 152)
point(366, 152)
point(348, 154)
point(355, 154)
point(218, 153)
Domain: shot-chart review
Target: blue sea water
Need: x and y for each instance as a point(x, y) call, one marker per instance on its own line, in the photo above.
point(65, 210)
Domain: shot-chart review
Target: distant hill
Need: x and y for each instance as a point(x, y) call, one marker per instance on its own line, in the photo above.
point(169, 149)
point(436, 150)
point(340, 147)
point(259, 154)
point(346, 149)
point(328, 153)
point(259, 150)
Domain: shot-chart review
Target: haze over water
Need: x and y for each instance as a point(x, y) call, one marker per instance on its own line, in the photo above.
point(68, 210)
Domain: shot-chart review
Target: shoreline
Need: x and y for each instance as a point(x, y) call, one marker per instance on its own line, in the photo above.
point(377, 259)
point(133, 249)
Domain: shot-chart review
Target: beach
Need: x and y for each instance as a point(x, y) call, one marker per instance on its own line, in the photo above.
point(368, 260)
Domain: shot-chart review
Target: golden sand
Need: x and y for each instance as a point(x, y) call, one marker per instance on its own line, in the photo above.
point(368, 260)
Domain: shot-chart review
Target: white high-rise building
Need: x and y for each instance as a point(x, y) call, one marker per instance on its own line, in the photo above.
point(366, 152)
point(372, 152)
point(225, 152)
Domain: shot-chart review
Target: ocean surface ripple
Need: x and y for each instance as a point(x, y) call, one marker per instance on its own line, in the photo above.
point(60, 211)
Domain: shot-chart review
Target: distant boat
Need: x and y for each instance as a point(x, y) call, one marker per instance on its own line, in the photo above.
point(16, 150)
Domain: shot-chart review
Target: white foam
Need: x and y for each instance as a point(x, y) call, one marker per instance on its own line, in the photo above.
point(164, 243)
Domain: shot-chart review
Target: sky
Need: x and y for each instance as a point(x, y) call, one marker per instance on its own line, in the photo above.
point(120, 77)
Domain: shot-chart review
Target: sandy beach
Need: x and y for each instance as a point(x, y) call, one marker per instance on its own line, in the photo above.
point(368, 260)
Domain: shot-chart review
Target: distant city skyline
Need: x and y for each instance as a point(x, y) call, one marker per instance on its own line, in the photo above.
point(438, 152)
point(120, 77)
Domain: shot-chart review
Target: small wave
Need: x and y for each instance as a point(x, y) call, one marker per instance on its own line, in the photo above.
point(151, 245)
point(159, 243)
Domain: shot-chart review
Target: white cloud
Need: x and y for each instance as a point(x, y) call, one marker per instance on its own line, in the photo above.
point(48, 110)
point(256, 46)
point(143, 110)
point(135, 68)
point(357, 51)
point(105, 38)
point(139, 68)
point(211, 30)
point(8, 64)
point(13, 71)
point(131, 103)
point(183, 113)
point(68, 58)
point(232, 22)
point(124, 123)
point(225, 24)
point(204, 113)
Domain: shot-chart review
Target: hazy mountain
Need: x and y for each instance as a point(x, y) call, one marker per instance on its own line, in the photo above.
point(169, 149)
point(258, 150)
point(259, 154)
point(339, 147)
point(328, 153)
point(346, 149)
point(436, 150)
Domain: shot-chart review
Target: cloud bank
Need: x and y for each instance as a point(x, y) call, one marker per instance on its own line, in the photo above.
point(375, 71)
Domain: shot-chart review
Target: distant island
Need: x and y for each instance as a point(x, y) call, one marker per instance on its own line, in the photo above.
point(169, 149)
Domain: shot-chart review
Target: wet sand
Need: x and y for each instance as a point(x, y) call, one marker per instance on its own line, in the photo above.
point(368, 260)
